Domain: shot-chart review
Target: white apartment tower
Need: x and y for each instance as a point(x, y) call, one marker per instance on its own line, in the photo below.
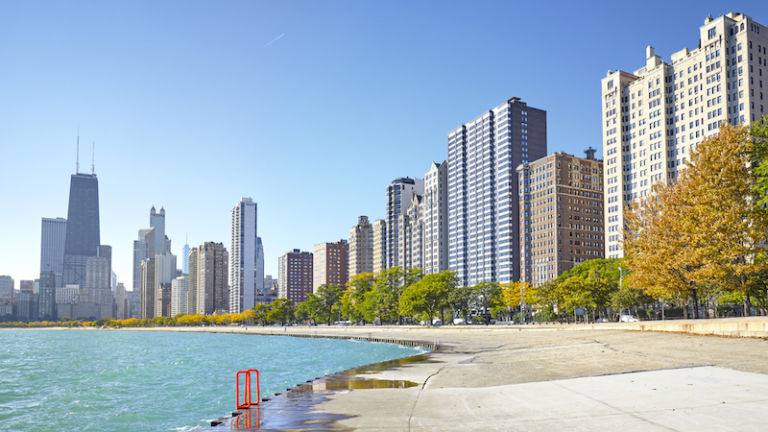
point(483, 211)
point(247, 260)
point(399, 195)
point(654, 117)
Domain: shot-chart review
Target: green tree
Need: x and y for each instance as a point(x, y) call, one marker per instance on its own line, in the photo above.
point(329, 297)
point(353, 298)
point(460, 300)
point(429, 295)
point(382, 302)
point(281, 311)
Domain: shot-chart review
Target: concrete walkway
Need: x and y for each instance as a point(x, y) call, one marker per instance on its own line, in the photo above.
point(555, 378)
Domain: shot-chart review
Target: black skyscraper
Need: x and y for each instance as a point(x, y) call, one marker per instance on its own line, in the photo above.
point(82, 240)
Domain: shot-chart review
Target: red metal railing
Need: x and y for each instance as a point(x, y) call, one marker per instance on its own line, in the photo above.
point(247, 401)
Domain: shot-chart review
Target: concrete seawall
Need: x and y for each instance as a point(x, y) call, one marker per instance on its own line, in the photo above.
point(732, 327)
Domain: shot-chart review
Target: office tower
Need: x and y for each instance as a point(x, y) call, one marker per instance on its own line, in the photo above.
point(122, 302)
point(270, 284)
point(185, 259)
point(329, 264)
point(379, 245)
point(165, 271)
point(192, 286)
point(47, 300)
point(82, 232)
point(65, 300)
point(654, 117)
point(95, 299)
point(53, 234)
point(179, 290)
point(247, 264)
point(295, 275)
point(134, 300)
point(399, 195)
point(157, 221)
point(360, 248)
point(147, 292)
point(25, 305)
point(6, 296)
point(27, 286)
point(143, 248)
point(210, 282)
point(483, 205)
point(561, 215)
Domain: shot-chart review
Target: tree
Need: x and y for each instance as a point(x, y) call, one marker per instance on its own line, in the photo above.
point(429, 295)
point(511, 299)
point(329, 297)
point(382, 302)
point(706, 232)
point(486, 296)
point(353, 298)
point(281, 311)
point(460, 300)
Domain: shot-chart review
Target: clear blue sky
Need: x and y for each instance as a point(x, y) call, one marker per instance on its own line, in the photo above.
point(311, 107)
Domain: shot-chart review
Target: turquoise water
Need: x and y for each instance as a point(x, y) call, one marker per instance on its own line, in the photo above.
point(91, 380)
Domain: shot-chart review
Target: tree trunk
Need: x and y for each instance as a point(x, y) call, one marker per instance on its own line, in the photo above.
point(747, 305)
point(685, 308)
point(695, 301)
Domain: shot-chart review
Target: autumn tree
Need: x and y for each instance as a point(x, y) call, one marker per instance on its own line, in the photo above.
point(429, 295)
point(707, 231)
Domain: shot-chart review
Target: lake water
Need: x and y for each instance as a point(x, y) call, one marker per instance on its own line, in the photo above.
point(91, 380)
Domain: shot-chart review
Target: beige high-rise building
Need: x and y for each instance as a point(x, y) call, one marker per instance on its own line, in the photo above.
point(655, 116)
point(360, 248)
point(561, 214)
point(192, 286)
point(379, 245)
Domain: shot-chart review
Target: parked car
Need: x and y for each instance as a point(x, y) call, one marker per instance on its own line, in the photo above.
point(628, 318)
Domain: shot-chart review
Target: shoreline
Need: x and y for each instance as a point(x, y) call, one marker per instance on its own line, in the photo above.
point(541, 377)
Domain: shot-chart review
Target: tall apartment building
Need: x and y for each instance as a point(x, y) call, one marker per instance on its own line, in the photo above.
point(399, 195)
point(122, 302)
point(294, 275)
point(379, 245)
point(425, 223)
point(143, 248)
point(247, 260)
point(211, 280)
point(329, 264)
point(655, 116)
point(360, 248)
point(53, 234)
point(147, 288)
point(483, 209)
point(561, 214)
point(179, 290)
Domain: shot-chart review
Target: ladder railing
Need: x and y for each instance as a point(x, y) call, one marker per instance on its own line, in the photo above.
point(247, 400)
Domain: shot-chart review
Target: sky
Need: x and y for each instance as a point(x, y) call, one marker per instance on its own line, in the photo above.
point(309, 107)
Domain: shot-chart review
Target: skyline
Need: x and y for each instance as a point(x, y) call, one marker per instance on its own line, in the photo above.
point(156, 142)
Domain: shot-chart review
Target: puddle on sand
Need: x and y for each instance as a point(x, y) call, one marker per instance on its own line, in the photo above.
point(293, 410)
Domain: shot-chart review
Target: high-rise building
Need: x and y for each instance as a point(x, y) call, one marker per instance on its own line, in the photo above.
point(654, 117)
point(247, 260)
point(329, 264)
point(210, 282)
point(185, 258)
point(192, 286)
point(53, 234)
point(157, 221)
point(360, 248)
point(483, 238)
point(47, 300)
point(399, 195)
point(143, 248)
point(6, 296)
point(295, 275)
point(561, 215)
point(424, 225)
point(147, 292)
point(379, 245)
point(25, 306)
point(122, 302)
point(179, 290)
point(165, 272)
point(82, 237)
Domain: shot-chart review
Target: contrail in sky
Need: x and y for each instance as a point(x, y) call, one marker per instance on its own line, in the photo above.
point(280, 36)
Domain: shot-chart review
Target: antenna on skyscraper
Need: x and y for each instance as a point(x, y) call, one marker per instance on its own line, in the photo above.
point(93, 158)
point(77, 159)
